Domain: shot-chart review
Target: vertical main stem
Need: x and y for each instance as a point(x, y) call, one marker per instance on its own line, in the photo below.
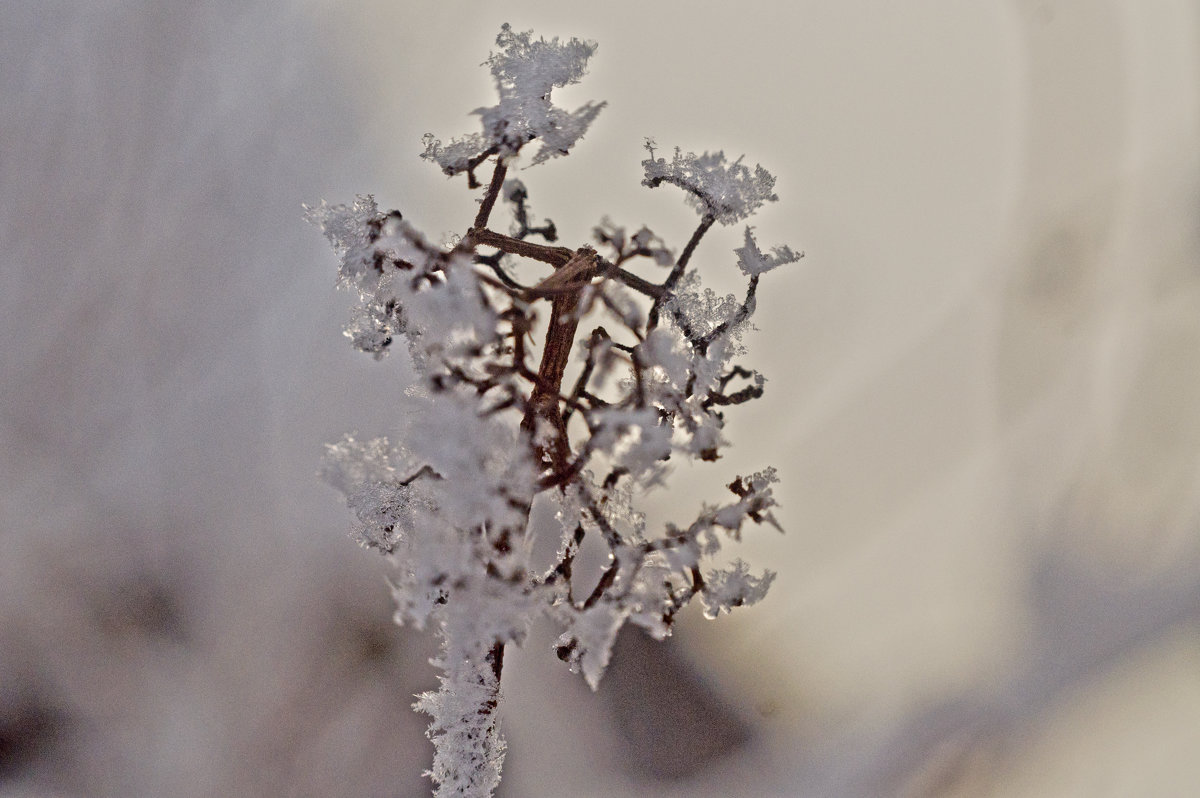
point(543, 401)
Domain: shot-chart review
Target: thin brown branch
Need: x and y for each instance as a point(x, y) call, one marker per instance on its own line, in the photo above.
point(628, 278)
point(555, 256)
point(502, 282)
point(606, 581)
point(668, 286)
point(598, 335)
point(493, 191)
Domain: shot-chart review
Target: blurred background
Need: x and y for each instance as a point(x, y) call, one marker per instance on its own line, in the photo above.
point(983, 397)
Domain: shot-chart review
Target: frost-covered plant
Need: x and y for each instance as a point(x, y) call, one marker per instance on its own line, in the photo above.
point(489, 439)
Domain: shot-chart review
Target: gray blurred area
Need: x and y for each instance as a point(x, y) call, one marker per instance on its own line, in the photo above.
point(983, 397)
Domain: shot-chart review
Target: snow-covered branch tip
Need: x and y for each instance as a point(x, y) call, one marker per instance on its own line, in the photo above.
point(526, 73)
point(544, 409)
point(727, 192)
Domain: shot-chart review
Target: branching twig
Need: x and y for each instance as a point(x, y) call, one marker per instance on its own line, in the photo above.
point(495, 433)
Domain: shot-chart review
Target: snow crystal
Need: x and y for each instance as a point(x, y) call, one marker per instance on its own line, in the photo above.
point(350, 462)
point(728, 192)
point(456, 156)
point(663, 349)
point(753, 262)
point(703, 310)
point(638, 439)
point(449, 317)
point(756, 500)
point(644, 243)
point(373, 327)
point(385, 512)
point(526, 72)
point(468, 748)
point(733, 587)
point(587, 644)
point(649, 244)
point(348, 229)
point(609, 233)
point(480, 459)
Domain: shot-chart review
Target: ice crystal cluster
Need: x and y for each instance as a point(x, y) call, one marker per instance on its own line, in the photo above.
point(518, 415)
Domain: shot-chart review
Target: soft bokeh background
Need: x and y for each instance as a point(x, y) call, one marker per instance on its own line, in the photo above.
point(984, 396)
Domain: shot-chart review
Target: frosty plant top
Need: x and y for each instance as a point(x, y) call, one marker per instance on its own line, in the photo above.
point(517, 415)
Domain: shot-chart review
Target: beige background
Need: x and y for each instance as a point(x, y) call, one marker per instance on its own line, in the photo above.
point(984, 382)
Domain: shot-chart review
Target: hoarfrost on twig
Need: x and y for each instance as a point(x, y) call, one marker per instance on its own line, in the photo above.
point(589, 427)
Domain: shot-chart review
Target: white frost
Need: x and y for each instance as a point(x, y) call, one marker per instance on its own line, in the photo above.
point(451, 508)
point(753, 262)
point(728, 192)
point(526, 72)
point(733, 587)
